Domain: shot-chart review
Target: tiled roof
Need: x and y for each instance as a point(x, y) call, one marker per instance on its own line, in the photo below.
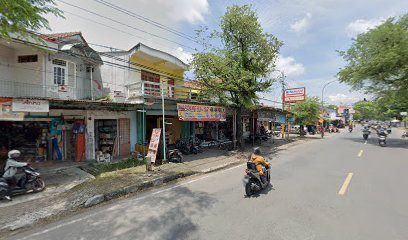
point(56, 36)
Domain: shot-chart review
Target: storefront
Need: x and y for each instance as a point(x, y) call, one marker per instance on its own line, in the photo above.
point(24, 132)
point(208, 122)
point(108, 134)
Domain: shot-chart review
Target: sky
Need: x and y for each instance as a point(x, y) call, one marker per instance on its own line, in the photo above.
point(312, 32)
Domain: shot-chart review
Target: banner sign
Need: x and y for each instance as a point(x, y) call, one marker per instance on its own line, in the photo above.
point(30, 105)
point(201, 113)
point(6, 114)
point(265, 115)
point(154, 144)
point(294, 95)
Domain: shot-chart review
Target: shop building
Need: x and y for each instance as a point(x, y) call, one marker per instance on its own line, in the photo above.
point(49, 107)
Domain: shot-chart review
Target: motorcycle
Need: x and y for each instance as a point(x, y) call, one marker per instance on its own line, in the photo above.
point(253, 181)
point(350, 129)
point(29, 182)
point(175, 155)
point(382, 137)
point(366, 133)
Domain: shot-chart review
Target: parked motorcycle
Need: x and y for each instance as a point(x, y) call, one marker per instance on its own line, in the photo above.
point(29, 182)
point(253, 182)
point(174, 155)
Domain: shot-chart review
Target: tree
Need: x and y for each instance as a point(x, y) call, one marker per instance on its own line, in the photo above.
point(367, 109)
point(357, 116)
point(377, 62)
point(239, 66)
point(307, 112)
point(20, 16)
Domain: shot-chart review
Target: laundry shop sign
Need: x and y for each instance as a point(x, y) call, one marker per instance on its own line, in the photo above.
point(30, 105)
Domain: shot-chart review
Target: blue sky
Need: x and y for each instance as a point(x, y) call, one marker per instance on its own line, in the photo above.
point(312, 31)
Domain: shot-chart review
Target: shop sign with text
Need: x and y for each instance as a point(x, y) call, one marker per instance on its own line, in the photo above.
point(154, 144)
point(201, 113)
point(294, 95)
point(30, 105)
point(6, 114)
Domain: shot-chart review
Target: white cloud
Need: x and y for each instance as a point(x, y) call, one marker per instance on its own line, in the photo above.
point(341, 98)
point(361, 26)
point(289, 66)
point(184, 56)
point(301, 25)
point(192, 11)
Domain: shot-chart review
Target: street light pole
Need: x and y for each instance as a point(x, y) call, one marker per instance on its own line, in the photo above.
point(164, 127)
point(324, 86)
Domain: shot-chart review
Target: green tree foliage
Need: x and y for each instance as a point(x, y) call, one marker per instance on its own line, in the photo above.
point(357, 116)
point(377, 62)
point(307, 112)
point(18, 16)
point(239, 66)
point(367, 109)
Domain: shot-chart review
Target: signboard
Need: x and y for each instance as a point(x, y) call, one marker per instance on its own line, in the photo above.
point(403, 113)
point(118, 96)
point(62, 88)
point(294, 95)
point(6, 114)
point(30, 105)
point(201, 113)
point(154, 144)
point(265, 116)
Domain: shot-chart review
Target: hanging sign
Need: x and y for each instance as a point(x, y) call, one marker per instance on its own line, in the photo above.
point(6, 114)
point(154, 144)
point(294, 95)
point(201, 113)
point(30, 105)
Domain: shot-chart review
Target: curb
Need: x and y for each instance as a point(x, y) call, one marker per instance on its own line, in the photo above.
point(100, 198)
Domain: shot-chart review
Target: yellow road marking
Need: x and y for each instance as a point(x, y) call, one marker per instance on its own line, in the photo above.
point(360, 153)
point(346, 183)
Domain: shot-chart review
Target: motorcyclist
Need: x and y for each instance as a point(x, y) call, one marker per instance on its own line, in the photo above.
point(260, 162)
point(10, 170)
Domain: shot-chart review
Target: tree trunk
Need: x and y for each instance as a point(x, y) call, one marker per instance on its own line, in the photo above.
point(240, 140)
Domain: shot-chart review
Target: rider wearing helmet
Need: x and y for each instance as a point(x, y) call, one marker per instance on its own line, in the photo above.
point(11, 168)
point(259, 162)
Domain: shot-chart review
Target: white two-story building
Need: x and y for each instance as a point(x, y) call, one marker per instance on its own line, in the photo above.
point(53, 102)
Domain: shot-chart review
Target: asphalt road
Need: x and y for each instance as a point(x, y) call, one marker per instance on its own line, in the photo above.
point(310, 200)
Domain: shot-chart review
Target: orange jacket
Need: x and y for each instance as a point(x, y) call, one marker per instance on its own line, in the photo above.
point(259, 162)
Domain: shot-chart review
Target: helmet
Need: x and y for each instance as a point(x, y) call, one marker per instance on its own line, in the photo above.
point(257, 151)
point(14, 154)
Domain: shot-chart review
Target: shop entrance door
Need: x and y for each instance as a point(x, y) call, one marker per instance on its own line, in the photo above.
point(124, 137)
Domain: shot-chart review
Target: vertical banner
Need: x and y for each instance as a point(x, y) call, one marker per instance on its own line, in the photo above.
point(154, 144)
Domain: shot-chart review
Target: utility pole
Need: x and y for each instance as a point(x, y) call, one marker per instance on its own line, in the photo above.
point(283, 102)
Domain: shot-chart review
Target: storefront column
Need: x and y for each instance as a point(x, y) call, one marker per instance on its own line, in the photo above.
point(90, 137)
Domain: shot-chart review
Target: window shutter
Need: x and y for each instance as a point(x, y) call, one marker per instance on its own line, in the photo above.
point(71, 75)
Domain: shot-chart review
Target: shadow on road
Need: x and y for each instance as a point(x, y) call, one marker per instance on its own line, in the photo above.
point(263, 192)
point(167, 215)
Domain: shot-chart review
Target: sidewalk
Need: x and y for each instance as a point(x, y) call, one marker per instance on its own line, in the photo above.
point(111, 185)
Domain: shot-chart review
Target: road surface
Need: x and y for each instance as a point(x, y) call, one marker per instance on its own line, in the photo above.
point(333, 188)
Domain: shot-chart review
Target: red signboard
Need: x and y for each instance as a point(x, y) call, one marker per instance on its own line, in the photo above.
point(294, 95)
point(201, 113)
point(154, 144)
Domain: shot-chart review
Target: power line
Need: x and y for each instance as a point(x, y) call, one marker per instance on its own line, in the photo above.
point(108, 56)
point(104, 61)
point(127, 25)
point(145, 19)
point(117, 29)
